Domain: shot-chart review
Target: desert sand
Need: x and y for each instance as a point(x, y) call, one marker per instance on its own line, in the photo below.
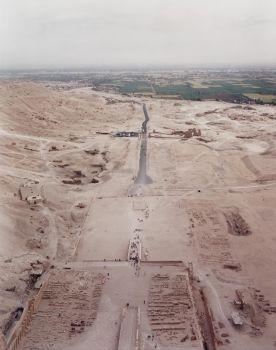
point(71, 206)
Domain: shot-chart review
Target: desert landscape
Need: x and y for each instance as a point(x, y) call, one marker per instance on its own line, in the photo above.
point(135, 222)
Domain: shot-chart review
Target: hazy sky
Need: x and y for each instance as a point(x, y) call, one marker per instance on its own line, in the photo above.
point(63, 33)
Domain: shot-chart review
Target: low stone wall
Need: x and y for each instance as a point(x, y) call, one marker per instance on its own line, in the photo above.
point(163, 263)
point(22, 325)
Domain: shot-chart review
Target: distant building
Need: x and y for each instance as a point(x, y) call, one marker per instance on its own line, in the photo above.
point(125, 134)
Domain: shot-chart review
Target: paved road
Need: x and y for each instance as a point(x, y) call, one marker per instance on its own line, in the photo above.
point(145, 122)
point(142, 177)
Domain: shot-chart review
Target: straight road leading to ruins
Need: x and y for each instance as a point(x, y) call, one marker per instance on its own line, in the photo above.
point(150, 240)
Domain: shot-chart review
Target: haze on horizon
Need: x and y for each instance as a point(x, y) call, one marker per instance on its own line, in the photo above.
point(66, 33)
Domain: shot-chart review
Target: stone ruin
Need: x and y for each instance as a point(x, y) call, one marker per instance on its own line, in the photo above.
point(30, 192)
point(188, 133)
point(237, 225)
point(171, 311)
point(134, 250)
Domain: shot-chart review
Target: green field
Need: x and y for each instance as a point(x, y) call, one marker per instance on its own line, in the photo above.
point(264, 98)
point(237, 89)
point(251, 85)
